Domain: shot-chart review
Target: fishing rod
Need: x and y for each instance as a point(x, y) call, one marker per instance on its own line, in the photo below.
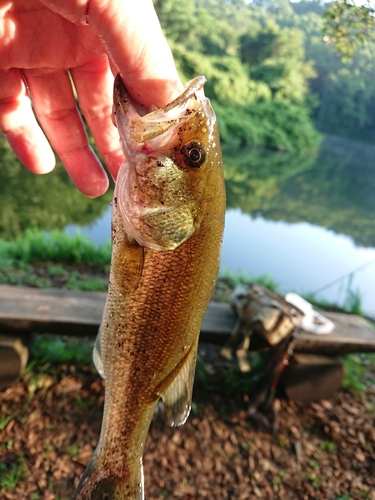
point(360, 268)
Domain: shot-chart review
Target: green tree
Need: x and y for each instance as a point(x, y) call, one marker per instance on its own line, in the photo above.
point(350, 105)
point(344, 91)
point(275, 6)
point(257, 82)
point(348, 25)
point(275, 56)
point(309, 6)
point(186, 22)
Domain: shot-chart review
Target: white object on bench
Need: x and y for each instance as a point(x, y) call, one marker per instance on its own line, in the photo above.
point(312, 321)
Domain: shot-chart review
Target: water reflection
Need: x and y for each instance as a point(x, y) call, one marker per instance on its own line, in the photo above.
point(253, 175)
point(335, 190)
point(42, 201)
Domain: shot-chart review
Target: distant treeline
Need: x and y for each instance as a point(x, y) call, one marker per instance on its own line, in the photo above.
point(271, 76)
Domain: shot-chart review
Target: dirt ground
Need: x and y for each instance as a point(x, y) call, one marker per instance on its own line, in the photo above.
point(50, 423)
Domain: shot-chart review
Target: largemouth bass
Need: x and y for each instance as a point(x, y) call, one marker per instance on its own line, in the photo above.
point(167, 226)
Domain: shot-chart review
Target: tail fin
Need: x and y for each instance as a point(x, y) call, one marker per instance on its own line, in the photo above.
point(98, 484)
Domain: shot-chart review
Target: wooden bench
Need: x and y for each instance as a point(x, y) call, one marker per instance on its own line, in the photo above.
point(75, 313)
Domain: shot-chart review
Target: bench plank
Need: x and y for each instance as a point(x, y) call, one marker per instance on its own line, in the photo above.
point(79, 313)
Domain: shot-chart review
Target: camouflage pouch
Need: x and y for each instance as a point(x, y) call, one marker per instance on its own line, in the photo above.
point(259, 311)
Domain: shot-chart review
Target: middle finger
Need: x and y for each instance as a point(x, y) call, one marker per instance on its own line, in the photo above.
point(94, 84)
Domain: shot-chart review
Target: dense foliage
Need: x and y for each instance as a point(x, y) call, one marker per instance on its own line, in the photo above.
point(349, 24)
point(256, 70)
point(344, 87)
point(272, 65)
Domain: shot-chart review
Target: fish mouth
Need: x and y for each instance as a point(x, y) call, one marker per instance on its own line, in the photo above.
point(151, 125)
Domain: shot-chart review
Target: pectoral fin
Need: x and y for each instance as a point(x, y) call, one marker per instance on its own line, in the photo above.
point(177, 398)
point(127, 265)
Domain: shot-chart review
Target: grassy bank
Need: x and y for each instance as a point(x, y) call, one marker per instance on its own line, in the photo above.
point(43, 259)
point(37, 246)
point(56, 259)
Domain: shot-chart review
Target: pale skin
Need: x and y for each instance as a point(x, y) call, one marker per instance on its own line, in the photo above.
point(46, 44)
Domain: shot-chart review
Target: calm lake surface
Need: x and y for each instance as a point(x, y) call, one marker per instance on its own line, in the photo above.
point(300, 257)
point(308, 221)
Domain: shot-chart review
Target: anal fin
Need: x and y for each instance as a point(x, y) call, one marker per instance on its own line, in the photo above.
point(177, 397)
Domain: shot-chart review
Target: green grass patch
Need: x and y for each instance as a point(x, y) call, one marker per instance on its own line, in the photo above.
point(227, 281)
point(11, 474)
point(57, 349)
point(71, 277)
point(56, 246)
point(359, 372)
point(86, 283)
point(243, 278)
point(352, 303)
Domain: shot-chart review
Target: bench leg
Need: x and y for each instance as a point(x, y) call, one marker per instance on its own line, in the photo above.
point(311, 377)
point(14, 355)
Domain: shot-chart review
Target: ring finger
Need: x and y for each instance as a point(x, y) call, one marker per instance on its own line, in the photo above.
point(56, 110)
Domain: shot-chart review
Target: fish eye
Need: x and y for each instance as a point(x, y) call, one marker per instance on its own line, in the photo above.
point(194, 154)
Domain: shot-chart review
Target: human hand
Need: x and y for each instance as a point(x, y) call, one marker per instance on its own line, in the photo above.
point(46, 44)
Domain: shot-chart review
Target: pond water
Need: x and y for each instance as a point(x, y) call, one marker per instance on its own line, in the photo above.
point(300, 257)
point(308, 221)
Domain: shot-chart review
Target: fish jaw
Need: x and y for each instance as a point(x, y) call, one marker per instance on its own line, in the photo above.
point(142, 128)
point(160, 182)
